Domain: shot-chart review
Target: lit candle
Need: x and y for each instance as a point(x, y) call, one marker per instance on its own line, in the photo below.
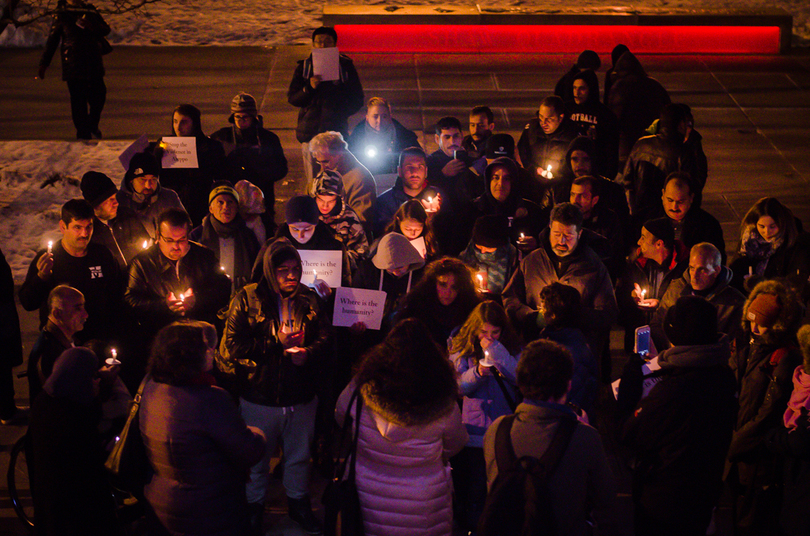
point(480, 281)
point(114, 353)
point(750, 268)
point(522, 236)
point(145, 244)
point(643, 293)
point(50, 246)
point(549, 174)
point(112, 361)
point(182, 297)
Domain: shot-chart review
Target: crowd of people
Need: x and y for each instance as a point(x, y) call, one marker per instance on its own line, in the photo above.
point(505, 266)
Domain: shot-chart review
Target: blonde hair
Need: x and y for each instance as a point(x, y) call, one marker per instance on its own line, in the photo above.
point(378, 101)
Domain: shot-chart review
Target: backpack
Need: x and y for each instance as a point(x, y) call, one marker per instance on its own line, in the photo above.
point(519, 502)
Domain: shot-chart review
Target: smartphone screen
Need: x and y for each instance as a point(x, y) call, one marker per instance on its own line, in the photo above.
point(643, 341)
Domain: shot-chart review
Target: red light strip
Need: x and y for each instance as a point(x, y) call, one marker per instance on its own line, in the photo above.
point(515, 39)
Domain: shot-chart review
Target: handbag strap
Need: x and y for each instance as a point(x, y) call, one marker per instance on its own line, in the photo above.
point(136, 400)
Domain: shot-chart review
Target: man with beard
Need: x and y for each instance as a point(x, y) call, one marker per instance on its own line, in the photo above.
point(543, 144)
point(277, 328)
point(379, 138)
point(482, 123)
point(115, 227)
point(448, 166)
point(76, 261)
point(561, 257)
point(142, 193)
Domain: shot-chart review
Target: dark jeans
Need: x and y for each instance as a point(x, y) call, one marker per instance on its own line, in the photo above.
point(87, 98)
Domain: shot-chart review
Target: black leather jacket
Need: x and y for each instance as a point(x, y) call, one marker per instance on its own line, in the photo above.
point(252, 344)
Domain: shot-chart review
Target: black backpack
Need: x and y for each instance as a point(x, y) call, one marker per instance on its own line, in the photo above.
point(519, 503)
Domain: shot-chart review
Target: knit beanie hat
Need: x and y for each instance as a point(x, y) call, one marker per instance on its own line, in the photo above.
point(244, 103)
point(142, 164)
point(500, 145)
point(764, 310)
point(329, 183)
point(301, 208)
point(491, 231)
point(222, 188)
point(691, 321)
point(97, 188)
point(661, 229)
point(251, 198)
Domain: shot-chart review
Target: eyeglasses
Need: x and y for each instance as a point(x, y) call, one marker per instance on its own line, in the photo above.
point(169, 241)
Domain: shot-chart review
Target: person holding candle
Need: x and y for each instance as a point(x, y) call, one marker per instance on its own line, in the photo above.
point(378, 139)
point(224, 232)
point(413, 222)
point(278, 334)
point(647, 275)
point(544, 142)
point(485, 345)
point(490, 254)
point(115, 227)
point(76, 261)
point(772, 245)
point(449, 165)
point(411, 183)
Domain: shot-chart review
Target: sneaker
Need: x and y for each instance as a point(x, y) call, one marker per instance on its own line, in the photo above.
point(300, 511)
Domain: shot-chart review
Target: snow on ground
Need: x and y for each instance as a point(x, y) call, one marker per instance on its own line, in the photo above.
point(30, 213)
point(288, 22)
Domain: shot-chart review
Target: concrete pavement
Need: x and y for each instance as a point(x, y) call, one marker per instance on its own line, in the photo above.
point(753, 113)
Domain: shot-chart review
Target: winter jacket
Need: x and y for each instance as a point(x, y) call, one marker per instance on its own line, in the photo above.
point(387, 144)
point(484, 400)
point(193, 184)
point(596, 121)
point(727, 300)
point(123, 236)
point(10, 335)
point(460, 189)
point(680, 433)
point(348, 228)
point(539, 150)
point(148, 209)
point(582, 485)
point(80, 30)
point(96, 276)
point(251, 338)
point(152, 277)
point(245, 247)
point(636, 99)
point(403, 479)
point(652, 159)
point(328, 106)
point(254, 154)
point(696, 227)
point(200, 449)
point(584, 382)
point(793, 446)
point(359, 189)
point(48, 347)
point(390, 200)
point(581, 269)
point(790, 263)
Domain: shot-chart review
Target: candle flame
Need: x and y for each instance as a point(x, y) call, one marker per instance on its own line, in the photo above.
point(114, 353)
point(145, 244)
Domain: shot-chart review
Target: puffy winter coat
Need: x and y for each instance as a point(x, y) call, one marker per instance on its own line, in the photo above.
point(403, 477)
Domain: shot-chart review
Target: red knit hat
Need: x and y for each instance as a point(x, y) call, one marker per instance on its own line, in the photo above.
point(764, 310)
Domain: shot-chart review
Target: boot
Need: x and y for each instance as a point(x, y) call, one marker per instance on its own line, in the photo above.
point(300, 511)
point(255, 519)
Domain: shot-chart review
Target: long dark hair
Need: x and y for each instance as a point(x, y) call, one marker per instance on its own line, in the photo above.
point(770, 206)
point(488, 312)
point(423, 301)
point(407, 375)
point(413, 209)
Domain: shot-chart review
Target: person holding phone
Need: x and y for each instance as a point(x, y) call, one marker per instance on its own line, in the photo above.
point(275, 336)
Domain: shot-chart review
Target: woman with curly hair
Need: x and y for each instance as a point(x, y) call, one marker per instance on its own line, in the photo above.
point(410, 425)
point(443, 299)
point(486, 341)
point(772, 245)
point(764, 362)
point(411, 220)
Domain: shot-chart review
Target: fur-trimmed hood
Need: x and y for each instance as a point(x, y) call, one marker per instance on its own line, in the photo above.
point(405, 413)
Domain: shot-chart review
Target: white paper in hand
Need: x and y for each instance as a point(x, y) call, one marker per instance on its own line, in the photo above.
point(326, 63)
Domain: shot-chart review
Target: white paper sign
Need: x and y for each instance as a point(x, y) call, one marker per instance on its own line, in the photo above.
point(419, 245)
point(358, 305)
point(179, 152)
point(648, 370)
point(326, 265)
point(326, 62)
point(138, 146)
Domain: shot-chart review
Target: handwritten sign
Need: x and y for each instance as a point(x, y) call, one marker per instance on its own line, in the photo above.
point(418, 244)
point(326, 62)
point(327, 264)
point(358, 305)
point(138, 146)
point(179, 152)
